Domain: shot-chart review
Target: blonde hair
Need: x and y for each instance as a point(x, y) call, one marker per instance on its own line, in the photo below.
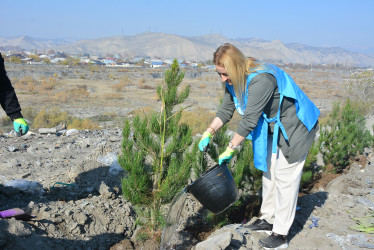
point(237, 66)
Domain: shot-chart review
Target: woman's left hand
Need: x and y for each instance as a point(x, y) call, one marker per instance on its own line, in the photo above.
point(204, 142)
point(226, 156)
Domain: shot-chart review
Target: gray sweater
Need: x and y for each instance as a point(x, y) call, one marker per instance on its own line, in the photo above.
point(263, 96)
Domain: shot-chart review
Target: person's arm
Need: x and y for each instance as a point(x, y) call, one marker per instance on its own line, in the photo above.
point(224, 113)
point(9, 102)
point(8, 98)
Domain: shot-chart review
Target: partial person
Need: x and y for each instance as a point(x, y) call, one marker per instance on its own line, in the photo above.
point(280, 120)
point(9, 102)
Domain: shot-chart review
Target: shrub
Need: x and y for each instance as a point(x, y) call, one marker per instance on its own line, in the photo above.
point(29, 113)
point(94, 68)
point(343, 135)
point(360, 87)
point(27, 84)
point(112, 96)
point(308, 170)
point(198, 119)
point(5, 121)
point(48, 83)
point(248, 176)
point(306, 178)
point(50, 118)
point(71, 94)
point(15, 59)
point(121, 85)
point(145, 86)
point(111, 76)
point(149, 184)
point(81, 124)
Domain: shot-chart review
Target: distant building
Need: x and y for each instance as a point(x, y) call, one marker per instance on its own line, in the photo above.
point(57, 60)
point(157, 64)
point(109, 62)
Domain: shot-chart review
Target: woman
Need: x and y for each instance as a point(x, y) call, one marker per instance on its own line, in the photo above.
point(280, 120)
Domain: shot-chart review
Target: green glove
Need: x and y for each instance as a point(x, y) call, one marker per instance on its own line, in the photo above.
point(226, 156)
point(20, 126)
point(204, 142)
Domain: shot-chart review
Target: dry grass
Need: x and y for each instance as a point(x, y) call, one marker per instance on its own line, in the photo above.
point(199, 119)
point(135, 89)
point(78, 93)
point(112, 96)
point(81, 124)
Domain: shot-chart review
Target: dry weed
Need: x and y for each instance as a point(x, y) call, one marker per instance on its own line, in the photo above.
point(112, 96)
point(83, 124)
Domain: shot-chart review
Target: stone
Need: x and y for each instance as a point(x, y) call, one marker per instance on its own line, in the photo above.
point(12, 149)
point(80, 217)
point(104, 191)
point(217, 242)
point(12, 163)
point(47, 131)
point(70, 132)
point(18, 228)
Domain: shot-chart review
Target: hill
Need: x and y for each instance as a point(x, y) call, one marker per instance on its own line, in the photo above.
point(152, 44)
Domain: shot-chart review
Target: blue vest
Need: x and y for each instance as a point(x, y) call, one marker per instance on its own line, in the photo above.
point(306, 111)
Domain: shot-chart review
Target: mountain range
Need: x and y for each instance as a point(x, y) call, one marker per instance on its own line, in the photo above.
point(161, 45)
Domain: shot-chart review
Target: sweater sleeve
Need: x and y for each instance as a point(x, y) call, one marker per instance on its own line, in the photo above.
point(260, 99)
point(227, 108)
point(8, 98)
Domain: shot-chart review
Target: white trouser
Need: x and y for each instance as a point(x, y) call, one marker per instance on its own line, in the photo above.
point(280, 188)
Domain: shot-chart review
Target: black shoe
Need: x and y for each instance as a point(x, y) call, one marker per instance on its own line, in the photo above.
point(274, 242)
point(261, 226)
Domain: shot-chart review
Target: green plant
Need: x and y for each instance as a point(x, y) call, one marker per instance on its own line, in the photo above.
point(365, 224)
point(306, 178)
point(343, 136)
point(217, 220)
point(246, 175)
point(156, 152)
point(142, 236)
point(308, 170)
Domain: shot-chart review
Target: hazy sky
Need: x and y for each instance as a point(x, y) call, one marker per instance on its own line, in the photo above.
point(333, 23)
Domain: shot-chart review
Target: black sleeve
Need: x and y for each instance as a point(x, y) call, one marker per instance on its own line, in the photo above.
point(8, 97)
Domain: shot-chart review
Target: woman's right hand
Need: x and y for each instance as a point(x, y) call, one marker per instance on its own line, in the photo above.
point(204, 142)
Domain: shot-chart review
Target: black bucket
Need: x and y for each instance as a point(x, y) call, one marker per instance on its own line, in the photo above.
point(215, 189)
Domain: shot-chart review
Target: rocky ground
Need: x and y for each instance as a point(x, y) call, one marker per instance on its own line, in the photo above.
point(326, 219)
point(67, 181)
point(70, 182)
